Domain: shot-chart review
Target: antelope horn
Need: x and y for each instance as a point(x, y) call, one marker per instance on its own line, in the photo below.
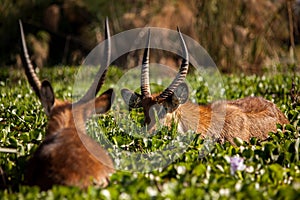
point(180, 75)
point(145, 85)
point(28, 67)
point(100, 76)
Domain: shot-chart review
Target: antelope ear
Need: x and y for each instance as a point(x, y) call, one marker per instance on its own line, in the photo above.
point(104, 101)
point(47, 96)
point(132, 99)
point(181, 93)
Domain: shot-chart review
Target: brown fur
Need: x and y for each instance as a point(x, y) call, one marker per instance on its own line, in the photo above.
point(68, 156)
point(226, 120)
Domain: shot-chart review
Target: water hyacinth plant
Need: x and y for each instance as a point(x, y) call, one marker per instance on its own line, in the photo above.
point(271, 167)
point(236, 164)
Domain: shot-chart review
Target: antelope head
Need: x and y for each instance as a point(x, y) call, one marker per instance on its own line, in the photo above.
point(67, 156)
point(44, 90)
point(165, 103)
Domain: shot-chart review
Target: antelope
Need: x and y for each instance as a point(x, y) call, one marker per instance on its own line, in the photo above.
point(67, 155)
point(222, 120)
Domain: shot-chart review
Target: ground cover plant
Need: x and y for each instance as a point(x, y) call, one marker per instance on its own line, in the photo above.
point(259, 169)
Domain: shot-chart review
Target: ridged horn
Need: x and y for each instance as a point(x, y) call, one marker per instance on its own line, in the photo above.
point(145, 85)
point(28, 67)
point(100, 76)
point(180, 75)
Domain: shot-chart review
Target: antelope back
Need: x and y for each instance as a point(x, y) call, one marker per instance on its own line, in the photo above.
point(251, 117)
point(67, 155)
point(225, 120)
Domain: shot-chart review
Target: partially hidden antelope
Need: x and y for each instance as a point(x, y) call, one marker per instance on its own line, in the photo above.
point(221, 120)
point(67, 155)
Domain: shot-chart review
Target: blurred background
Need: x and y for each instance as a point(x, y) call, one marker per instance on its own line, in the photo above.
point(247, 36)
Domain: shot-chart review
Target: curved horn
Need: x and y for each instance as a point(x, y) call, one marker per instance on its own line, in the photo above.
point(145, 85)
point(180, 75)
point(100, 76)
point(29, 70)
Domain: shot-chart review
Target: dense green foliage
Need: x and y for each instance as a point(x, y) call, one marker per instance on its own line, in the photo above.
point(272, 166)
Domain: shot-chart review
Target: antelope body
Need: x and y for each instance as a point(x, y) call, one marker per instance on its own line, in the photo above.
point(225, 120)
point(67, 155)
point(222, 120)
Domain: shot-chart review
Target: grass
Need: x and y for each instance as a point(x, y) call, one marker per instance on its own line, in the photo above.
point(272, 166)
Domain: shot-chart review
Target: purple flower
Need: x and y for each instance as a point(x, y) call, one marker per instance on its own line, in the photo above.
point(236, 163)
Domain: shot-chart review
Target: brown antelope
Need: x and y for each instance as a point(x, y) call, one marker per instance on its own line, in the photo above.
point(222, 120)
point(64, 157)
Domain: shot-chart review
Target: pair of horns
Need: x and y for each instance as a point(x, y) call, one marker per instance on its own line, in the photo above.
point(36, 83)
point(145, 85)
point(100, 76)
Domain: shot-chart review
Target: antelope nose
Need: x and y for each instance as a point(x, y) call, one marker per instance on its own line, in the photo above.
point(156, 113)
